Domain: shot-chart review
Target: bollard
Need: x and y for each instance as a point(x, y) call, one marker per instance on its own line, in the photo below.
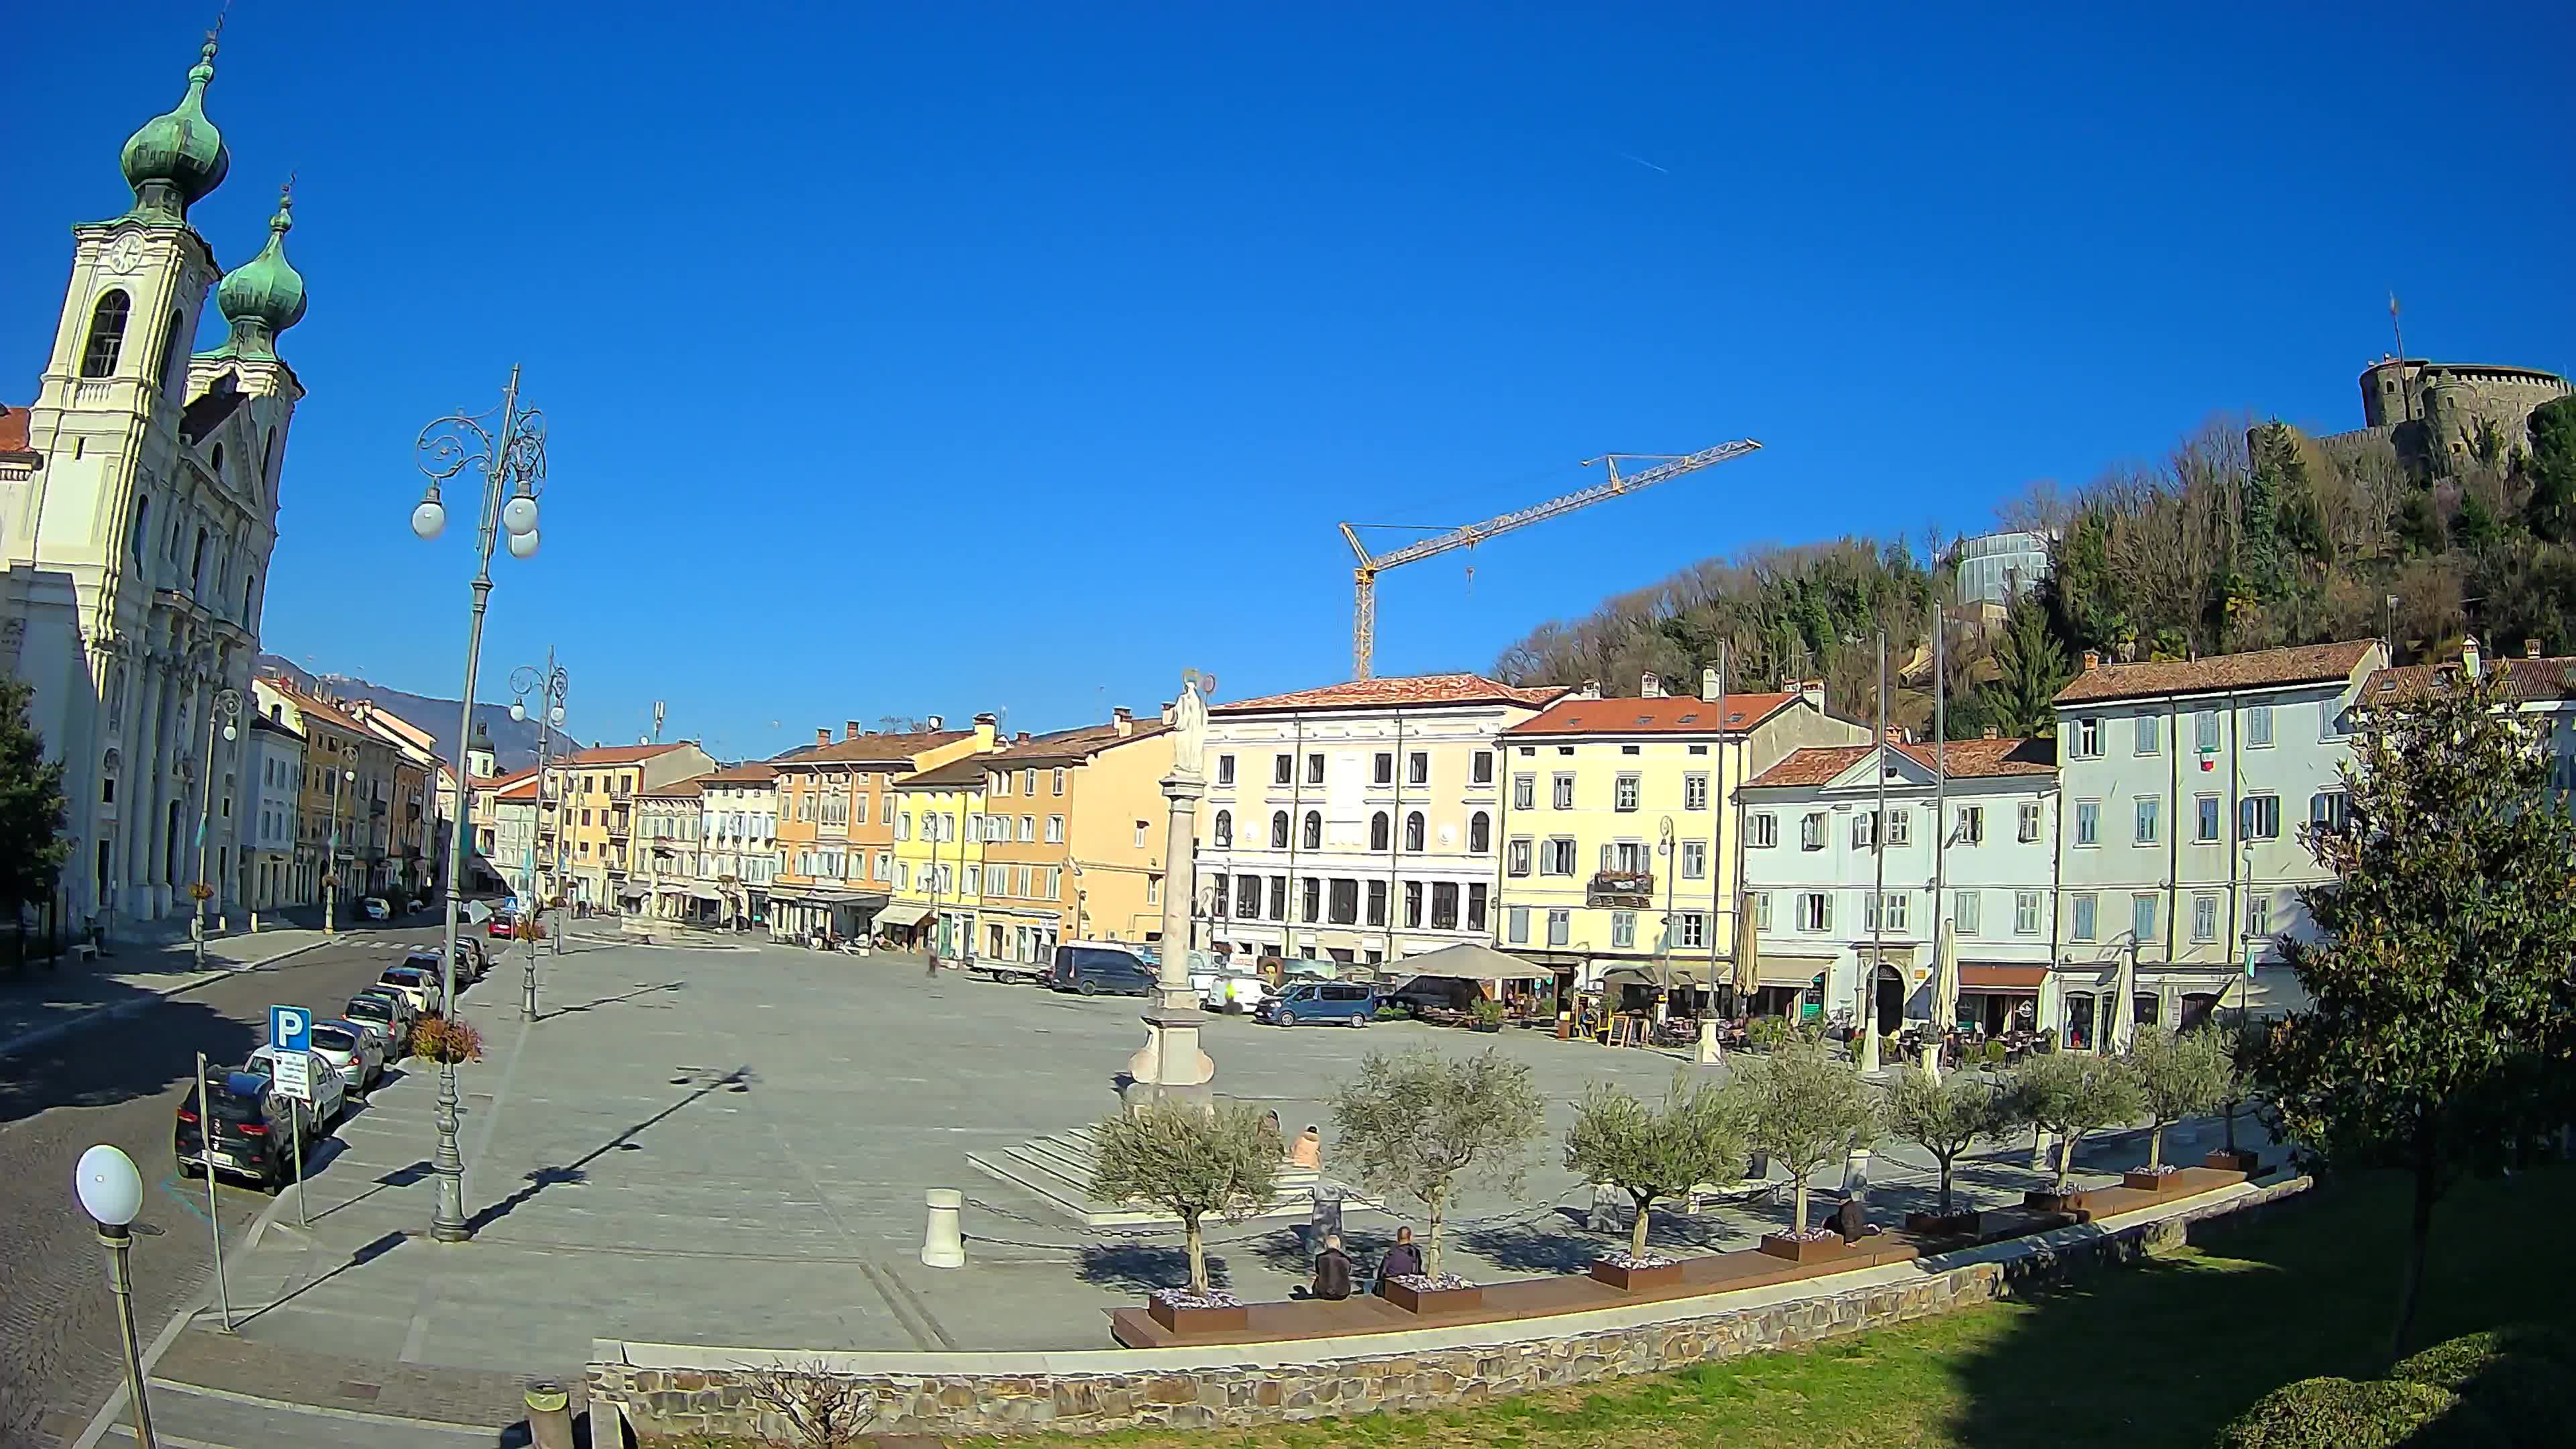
point(1608, 1201)
point(254, 923)
point(549, 1415)
point(944, 1244)
point(1856, 1172)
point(1710, 1053)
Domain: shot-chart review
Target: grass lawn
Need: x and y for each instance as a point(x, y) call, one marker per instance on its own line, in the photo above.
point(2156, 1355)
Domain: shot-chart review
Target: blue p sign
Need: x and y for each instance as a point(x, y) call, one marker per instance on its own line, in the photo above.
point(290, 1028)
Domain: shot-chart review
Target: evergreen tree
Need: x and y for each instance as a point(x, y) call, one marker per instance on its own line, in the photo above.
point(2029, 670)
point(32, 810)
point(2437, 1038)
point(2551, 469)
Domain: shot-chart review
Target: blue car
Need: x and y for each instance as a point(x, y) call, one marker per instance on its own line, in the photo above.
point(1333, 1003)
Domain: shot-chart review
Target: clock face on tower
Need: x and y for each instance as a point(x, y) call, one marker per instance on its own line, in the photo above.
point(125, 255)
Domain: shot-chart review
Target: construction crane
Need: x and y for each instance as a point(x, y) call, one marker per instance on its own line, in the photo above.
point(1364, 576)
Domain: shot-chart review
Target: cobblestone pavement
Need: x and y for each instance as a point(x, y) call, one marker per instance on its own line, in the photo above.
point(118, 1080)
point(69, 995)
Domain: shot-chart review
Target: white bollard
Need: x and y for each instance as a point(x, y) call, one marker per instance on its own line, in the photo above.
point(1856, 1172)
point(1710, 1053)
point(944, 1245)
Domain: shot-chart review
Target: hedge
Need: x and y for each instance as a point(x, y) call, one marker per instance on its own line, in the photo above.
point(2512, 1376)
point(2331, 1413)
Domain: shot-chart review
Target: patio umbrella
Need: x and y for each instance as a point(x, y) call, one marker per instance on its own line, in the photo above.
point(1945, 995)
point(2124, 1011)
point(1748, 956)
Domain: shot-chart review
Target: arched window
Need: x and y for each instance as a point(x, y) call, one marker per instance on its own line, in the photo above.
point(219, 461)
point(1378, 831)
point(1314, 833)
point(1413, 830)
point(250, 595)
point(1224, 829)
point(173, 348)
point(106, 334)
point(1278, 830)
point(197, 564)
point(142, 516)
point(1480, 833)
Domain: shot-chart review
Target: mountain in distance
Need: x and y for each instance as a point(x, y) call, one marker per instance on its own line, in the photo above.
point(514, 742)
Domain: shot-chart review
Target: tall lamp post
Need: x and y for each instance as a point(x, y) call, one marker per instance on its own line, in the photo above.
point(508, 450)
point(550, 687)
point(331, 867)
point(226, 709)
point(111, 1192)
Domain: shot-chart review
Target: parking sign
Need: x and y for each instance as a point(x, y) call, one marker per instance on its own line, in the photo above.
point(293, 1075)
point(290, 1028)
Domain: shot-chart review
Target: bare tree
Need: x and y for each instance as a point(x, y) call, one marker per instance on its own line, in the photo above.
point(812, 1406)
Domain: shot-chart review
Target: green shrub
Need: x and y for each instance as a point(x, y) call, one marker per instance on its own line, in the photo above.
point(1768, 1033)
point(1489, 1013)
point(2509, 1375)
point(2330, 1413)
point(1996, 1055)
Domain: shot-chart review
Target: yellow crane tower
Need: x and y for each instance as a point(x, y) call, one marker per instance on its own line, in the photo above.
point(1364, 576)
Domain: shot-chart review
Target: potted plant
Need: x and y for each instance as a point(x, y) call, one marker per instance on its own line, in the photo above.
point(1190, 1161)
point(1419, 1124)
point(2071, 1094)
point(2246, 1038)
point(1430, 1292)
point(1945, 1117)
point(1651, 1152)
point(2177, 1076)
point(1488, 1013)
point(1803, 1109)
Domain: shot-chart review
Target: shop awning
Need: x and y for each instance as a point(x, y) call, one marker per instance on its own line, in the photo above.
point(1468, 961)
point(1797, 971)
point(701, 893)
point(632, 891)
point(1989, 976)
point(903, 913)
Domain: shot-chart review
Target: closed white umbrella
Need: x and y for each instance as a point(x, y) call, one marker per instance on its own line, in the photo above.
point(2124, 1011)
point(1748, 958)
point(1945, 994)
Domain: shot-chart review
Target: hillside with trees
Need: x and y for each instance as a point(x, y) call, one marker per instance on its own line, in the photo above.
point(2244, 537)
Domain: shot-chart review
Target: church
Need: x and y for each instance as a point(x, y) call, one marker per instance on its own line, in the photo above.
point(138, 507)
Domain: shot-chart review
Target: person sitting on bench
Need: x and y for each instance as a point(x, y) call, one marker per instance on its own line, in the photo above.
point(1332, 1270)
point(1851, 1221)
point(1402, 1260)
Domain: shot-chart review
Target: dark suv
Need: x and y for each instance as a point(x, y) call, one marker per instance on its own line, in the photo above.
point(1339, 1003)
point(254, 1134)
point(1092, 969)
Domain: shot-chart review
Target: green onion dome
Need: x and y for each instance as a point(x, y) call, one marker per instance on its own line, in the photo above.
point(175, 159)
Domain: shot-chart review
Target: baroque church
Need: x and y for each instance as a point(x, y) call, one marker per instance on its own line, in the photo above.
point(138, 509)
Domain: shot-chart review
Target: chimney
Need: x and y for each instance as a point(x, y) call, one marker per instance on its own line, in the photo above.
point(2092, 660)
point(934, 722)
point(822, 736)
point(1591, 690)
point(1896, 734)
point(849, 729)
point(2530, 648)
point(1021, 738)
point(987, 726)
point(1123, 720)
point(1708, 684)
point(1813, 691)
point(1991, 733)
point(1651, 687)
point(2469, 656)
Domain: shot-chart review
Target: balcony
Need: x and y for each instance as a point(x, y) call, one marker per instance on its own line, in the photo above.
point(619, 826)
point(1626, 890)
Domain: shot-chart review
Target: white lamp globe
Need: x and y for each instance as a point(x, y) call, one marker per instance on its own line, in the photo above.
point(523, 545)
point(429, 520)
point(111, 1191)
point(518, 710)
point(558, 717)
point(230, 732)
point(519, 515)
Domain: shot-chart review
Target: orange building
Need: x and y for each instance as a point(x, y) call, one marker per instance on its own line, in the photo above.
point(836, 824)
point(1073, 839)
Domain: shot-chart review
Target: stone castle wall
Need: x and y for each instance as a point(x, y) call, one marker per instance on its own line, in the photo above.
point(1268, 1383)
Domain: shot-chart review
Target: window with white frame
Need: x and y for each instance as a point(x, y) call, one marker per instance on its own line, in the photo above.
point(1225, 769)
point(1815, 911)
point(2087, 741)
point(1283, 769)
point(1055, 830)
point(1968, 912)
point(1863, 828)
point(2258, 726)
point(2258, 817)
point(2087, 912)
point(2204, 918)
point(1417, 768)
point(1559, 927)
point(2088, 822)
point(1762, 832)
point(1811, 831)
point(1623, 930)
point(1694, 860)
point(1516, 925)
point(2149, 734)
point(2142, 917)
point(2026, 906)
point(1480, 768)
point(1969, 827)
point(2028, 830)
point(1625, 792)
point(1885, 912)
point(1563, 796)
point(1695, 791)
point(2149, 827)
point(2205, 819)
point(1556, 857)
point(1524, 792)
point(1516, 857)
point(1690, 929)
point(1142, 829)
point(1762, 910)
point(2258, 915)
point(2205, 731)
point(1900, 827)
point(2329, 809)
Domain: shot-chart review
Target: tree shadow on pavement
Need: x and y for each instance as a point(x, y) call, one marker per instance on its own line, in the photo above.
point(703, 1082)
point(1143, 1267)
point(597, 1002)
point(83, 1069)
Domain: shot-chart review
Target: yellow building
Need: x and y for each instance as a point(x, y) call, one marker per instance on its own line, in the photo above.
point(1622, 833)
point(939, 849)
point(1073, 838)
point(596, 791)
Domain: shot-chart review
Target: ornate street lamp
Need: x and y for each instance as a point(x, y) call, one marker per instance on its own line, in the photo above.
point(550, 687)
point(227, 708)
point(111, 1192)
point(508, 450)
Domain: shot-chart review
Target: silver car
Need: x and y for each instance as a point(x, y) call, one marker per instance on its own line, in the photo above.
point(392, 1008)
point(357, 1050)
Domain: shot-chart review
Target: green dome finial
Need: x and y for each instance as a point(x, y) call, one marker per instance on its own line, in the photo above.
point(175, 159)
point(265, 295)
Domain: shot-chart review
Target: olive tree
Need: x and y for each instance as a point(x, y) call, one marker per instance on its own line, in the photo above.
point(1803, 1109)
point(2179, 1075)
point(1655, 1152)
point(1420, 1124)
point(1946, 1116)
point(2072, 1094)
point(1189, 1160)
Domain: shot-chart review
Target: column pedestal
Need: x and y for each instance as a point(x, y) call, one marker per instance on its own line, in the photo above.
point(1171, 1064)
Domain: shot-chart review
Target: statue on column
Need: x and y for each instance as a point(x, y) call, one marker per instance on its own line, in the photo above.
point(1189, 727)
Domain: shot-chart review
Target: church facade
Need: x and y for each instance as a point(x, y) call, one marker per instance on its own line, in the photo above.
point(138, 511)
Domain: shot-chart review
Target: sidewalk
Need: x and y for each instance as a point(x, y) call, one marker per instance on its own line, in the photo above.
point(42, 1003)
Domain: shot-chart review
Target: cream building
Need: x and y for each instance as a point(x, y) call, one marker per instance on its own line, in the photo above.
point(1358, 822)
point(739, 838)
point(138, 509)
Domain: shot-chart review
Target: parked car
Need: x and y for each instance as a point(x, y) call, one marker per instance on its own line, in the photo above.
point(1092, 967)
point(418, 983)
point(252, 1136)
point(330, 1089)
point(1350, 1003)
point(376, 908)
point(502, 927)
point(471, 963)
point(1223, 988)
point(359, 1052)
point(388, 1009)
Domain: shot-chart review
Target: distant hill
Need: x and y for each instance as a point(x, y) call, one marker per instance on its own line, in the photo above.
point(514, 742)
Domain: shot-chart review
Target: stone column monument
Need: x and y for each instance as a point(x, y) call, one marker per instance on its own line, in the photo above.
point(1171, 1065)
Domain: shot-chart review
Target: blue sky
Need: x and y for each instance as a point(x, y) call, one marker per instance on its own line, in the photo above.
point(1018, 357)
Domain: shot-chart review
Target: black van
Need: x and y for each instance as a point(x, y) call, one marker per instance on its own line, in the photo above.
point(1093, 967)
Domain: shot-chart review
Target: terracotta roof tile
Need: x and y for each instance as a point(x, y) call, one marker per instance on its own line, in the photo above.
point(1075, 744)
point(2529, 681)
point(597, 756)
point(966, 773)
point(689, 788)
point(874, 749)
point(2303, 664)
point(1400, 690)
point(1966, 759)
point(1669, 715)
point(13, 429)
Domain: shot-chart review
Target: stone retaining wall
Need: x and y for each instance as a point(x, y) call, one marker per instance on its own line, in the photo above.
point(1269, 1382)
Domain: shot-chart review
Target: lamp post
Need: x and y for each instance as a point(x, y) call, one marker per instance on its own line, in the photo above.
point(331, 866)
point(227, 708)
point(550, 687)
point(1664, 951)
point(111, 1192)
point(508, 450)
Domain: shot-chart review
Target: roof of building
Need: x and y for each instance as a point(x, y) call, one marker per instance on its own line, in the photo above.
point(2528, 680)
point(2264, 668)
point(1068, 747)
point(964, 773)
point(13, 429)
point(1670, 714)
point(689, 788)
point(1966, 760)
point(317, 708)
point(524, 788)
point(599, 755)
point(1398, 691)
point(751, 772)
point(872, 749)
point(274, 726)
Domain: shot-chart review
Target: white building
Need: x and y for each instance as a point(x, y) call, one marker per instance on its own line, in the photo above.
point(738, 837)
point(2186, 783)
point(1814, 849)
point(505, 833)
point(670, 856)
point(138, 507)
point(273, 764)
point(1357, 822)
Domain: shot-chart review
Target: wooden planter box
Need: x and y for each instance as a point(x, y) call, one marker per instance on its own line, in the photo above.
point(1197, 1320)
point(1938, 1225)
point(2156, 1182)
point(1808, 1250)
point(1438, 1300)
point(1631, 1280)
point(2041, 1200)
point(2244, 1160)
